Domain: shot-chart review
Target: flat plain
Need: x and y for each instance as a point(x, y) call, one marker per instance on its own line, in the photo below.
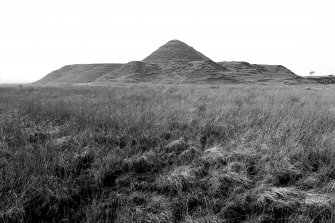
point(167, 153)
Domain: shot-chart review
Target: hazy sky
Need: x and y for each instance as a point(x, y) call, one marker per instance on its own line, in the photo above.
point(38, 36)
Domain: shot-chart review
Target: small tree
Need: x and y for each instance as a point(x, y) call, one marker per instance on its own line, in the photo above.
point(311, 73)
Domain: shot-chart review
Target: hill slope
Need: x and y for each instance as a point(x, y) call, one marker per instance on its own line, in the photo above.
point(175, 72)
point(245, 71)
point(135, 70)
point(79, 73)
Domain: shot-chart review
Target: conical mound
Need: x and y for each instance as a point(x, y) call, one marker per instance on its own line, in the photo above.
point(175, 51)
point(174, 62)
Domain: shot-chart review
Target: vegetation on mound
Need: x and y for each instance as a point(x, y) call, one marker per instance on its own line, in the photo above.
point(163, 153)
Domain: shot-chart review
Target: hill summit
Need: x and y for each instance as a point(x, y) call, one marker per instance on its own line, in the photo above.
point(174, 51)
point(173, 62)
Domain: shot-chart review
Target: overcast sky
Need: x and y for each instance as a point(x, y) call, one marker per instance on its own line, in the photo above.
point(38, 36)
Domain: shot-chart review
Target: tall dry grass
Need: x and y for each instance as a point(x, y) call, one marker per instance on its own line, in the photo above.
point(165, 153)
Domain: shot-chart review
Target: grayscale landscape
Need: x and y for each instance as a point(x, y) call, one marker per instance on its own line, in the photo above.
point(175, 137)
point(172, 111)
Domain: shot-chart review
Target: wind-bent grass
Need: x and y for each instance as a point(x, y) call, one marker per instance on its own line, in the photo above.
point(164, 153)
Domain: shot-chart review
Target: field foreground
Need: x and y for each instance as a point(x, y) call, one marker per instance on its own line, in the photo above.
point(165, 153)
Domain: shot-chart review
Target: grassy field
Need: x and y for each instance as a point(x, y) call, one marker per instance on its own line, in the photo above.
point(165, 153)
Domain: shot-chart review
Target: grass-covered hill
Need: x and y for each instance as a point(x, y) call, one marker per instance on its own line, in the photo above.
point(174, 62)
point(167, 153)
